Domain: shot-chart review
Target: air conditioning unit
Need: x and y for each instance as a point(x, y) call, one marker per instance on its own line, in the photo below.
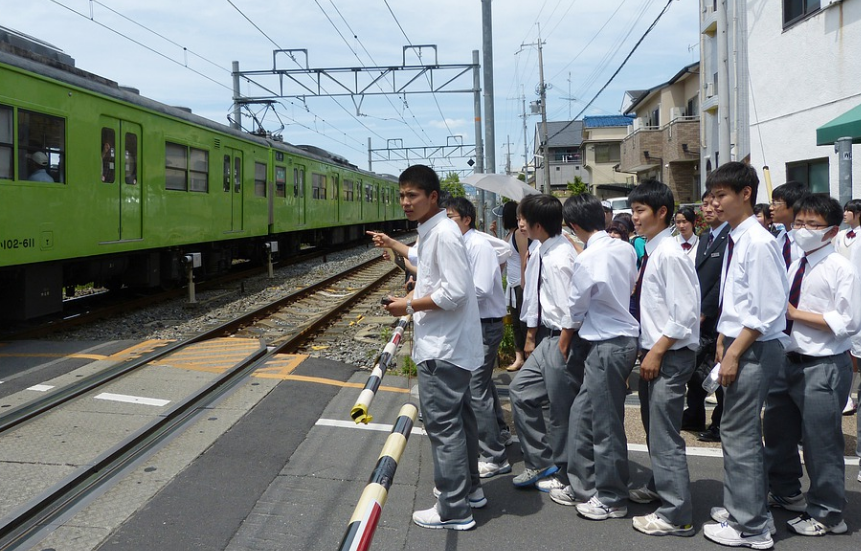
point(710, 89)
point(675, 113)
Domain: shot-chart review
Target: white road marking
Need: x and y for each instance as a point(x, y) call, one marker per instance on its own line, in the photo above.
point(379, 427)
point(132, 399)
point(41, 388)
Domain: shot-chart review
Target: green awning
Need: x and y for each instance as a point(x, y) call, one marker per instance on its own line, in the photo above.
point(847, 125)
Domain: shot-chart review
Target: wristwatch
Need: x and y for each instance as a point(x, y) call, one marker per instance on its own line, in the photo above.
point(410, 309)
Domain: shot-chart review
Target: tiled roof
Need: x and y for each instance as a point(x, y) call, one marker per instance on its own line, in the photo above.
point(601, 121)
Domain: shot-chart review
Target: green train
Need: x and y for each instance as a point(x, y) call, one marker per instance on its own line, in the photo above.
point(99, 184)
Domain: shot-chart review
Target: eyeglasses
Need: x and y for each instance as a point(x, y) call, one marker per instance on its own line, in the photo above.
point(453, 216)
point(778, 203)
point(799, 225)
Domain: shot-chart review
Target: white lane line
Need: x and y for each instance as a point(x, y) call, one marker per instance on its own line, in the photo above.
point(41, 388)
point(379, 427)
point(132, 399)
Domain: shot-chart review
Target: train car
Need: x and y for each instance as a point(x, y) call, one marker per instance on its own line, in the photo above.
point(101, 185)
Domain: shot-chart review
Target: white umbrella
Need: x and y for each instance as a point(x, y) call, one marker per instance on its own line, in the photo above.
point(504, 185)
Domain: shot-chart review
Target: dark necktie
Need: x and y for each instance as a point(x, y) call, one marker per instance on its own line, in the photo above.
point(538, 292)
point(730, 245)
point(711, 240)
point(635, 298)
point(787, 251)
point(850, 234)
point(795, 291)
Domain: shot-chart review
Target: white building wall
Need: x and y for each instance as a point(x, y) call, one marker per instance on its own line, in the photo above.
point(801, 78)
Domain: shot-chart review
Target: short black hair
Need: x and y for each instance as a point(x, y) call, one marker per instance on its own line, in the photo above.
point(823, 205)
point(423, 177)
point(791, 193)
point(735, 176)
point(619, 228)
point(464, 208)
point(654, 195)
point(543, 209)
point(509, 215)
point(688, 213)
point(763, 208)
point(706, 193)
point(585, 210)
point(626, 219)
point(853, 206)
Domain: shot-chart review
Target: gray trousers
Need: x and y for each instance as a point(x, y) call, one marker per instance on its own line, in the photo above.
point(483, 392)
point(450, 424)
point(805, 405)
point(662, 400)
point(597, 445)
point(546, 376)
point(745, 487)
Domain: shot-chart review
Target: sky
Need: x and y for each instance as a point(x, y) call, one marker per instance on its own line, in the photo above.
point(181, 52)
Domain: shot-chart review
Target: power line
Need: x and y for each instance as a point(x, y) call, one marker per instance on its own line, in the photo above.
point(634, 49)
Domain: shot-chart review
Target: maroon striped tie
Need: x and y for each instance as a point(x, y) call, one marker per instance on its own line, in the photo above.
point(787, 251)
point(795, 291)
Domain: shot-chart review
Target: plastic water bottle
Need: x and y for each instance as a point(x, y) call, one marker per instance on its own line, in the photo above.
point(712, 382)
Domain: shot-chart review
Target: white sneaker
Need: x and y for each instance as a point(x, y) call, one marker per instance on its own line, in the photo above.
point(549, 484)
point(476, 498)
point(595, 510)
point(806, 525)
point(429, 518)
point(725, 534)
point(654, 525)
point(850, 407)
point(643, 495)
point(565, 497)
point(486, 469)
point(721, 515)
point(859, 475)
point(795, 503)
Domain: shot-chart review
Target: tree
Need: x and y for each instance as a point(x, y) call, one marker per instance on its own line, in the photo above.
point(451, 184)
point(578, 186)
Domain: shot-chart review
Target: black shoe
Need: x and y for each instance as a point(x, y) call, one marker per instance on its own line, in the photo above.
point(711, 434)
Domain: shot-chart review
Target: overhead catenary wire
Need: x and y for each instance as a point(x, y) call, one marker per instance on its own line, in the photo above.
point(613, 76)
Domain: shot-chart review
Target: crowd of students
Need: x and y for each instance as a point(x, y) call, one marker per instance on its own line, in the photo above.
point(775, 314)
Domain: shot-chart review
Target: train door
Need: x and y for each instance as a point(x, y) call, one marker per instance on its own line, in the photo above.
point(299, 193)
point(120, 150)
point(130, 182)
point(232, 189)
point(336, 194)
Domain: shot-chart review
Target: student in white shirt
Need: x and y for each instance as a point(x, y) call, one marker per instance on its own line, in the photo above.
point(685, 219)
point(549, 374)
point(805, 402)
point(784, 199)
point(848, 243)
point(487, 278)
point(597, 302)
point(750, 351)
point(446, 329)
point(669, 293)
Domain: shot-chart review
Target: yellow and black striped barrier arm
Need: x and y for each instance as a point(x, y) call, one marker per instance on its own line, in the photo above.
point(359, 413)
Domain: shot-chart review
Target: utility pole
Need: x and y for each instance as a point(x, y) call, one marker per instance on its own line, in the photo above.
point(525, 137)
point(542, 100)
point(489, 120)
point(508, 155)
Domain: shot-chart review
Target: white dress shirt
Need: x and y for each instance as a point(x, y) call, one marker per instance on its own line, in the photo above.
point(530, 276)
point(669, 295)
point(486, 275)
point(555, 263)
point(600, 297)
point(692, 251)
point(500, 246)
point(830, 287)
point(851, 249)
point(754, 292)
point(452, 334)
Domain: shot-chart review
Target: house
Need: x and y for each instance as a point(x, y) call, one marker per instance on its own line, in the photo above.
point(601, 146)
point(663, 141)
point(563, 154)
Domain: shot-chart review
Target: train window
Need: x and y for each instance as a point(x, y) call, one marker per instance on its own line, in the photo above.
point(318, 186)
point(198, 170)
point(176, 166)
point(109, 143)
point(41, 147)
point(260, 179)
point(237, 175)
point(131, 159)
point(227, 173)
point(280, 181)
point(6, 143)
point(348, 190)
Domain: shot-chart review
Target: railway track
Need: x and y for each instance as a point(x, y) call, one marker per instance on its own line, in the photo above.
point(243, 345)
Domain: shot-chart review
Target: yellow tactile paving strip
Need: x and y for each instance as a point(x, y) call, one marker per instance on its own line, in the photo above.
point(213, 356)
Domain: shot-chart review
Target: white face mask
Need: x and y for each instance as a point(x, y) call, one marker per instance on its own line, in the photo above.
point(810, 240)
